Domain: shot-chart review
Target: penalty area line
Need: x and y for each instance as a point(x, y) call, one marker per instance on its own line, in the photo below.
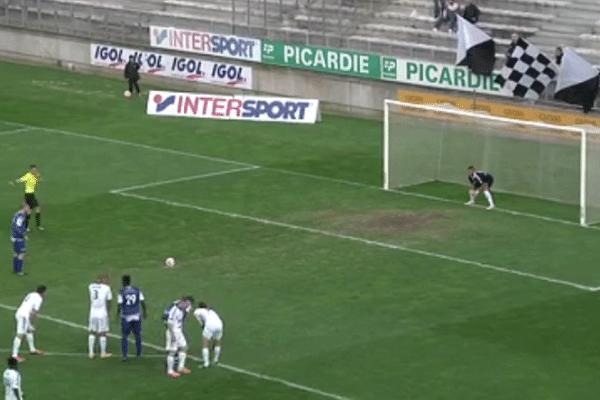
point(224, 366)
point(361, 240)
point(126, 143)
point(293, 173)
point(184, 179)
point(63, 354)
point(15, 131)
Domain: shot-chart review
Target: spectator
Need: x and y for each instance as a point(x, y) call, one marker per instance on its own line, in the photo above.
point(514, 38)
point(558, 55)
point(438, 8)
point(471, 13)
point(448, 16)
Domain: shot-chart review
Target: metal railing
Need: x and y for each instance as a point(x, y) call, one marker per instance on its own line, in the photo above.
point(256, 18)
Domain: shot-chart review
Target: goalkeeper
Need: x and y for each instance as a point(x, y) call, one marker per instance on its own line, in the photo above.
point(480, 181)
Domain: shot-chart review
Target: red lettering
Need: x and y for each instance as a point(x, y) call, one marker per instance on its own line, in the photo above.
point(234, 105)
point(196, 41)
point(177, 38)
point(206, 100)
point(188, 39)
point(218, 104)
point(205, 42)
point(190, 104)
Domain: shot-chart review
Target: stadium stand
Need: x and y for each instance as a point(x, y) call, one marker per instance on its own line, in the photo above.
point(394, 27)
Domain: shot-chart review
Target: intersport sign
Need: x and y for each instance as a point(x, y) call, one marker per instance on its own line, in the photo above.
point(215, 44)
point(250, 108)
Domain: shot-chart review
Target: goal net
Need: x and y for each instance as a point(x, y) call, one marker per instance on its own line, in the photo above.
point(428, 143)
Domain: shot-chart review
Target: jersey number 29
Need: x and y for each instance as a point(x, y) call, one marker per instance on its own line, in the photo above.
point(130, 299)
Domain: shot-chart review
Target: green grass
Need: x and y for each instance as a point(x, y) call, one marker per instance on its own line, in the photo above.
point(322, 279)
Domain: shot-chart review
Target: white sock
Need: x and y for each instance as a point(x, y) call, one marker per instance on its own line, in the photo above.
point(182, 355)
point(170, 363)
point(91, 342)
point(30, 342)
point(488, 195)
point(16, 346)
point(102, 345)
point(217, 355)
point(205, 357)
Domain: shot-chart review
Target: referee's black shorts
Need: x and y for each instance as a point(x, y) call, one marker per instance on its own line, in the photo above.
point(31, 201)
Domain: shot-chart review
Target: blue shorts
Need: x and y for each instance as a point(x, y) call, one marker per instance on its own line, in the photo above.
point(128, 327)
point(20, 246)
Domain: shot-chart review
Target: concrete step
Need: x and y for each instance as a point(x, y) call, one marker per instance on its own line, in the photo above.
point(566, 30)
point(551, 40)
point(491, 15)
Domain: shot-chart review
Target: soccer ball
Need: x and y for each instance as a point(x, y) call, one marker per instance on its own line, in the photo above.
point(170, 262)
point(127, 93)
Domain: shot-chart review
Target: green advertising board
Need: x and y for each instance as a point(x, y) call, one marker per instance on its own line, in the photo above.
point(336, 61)
point(443, 76)
point(373, 66)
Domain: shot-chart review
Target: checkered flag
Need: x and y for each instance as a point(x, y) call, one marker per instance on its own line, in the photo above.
point(527, 71)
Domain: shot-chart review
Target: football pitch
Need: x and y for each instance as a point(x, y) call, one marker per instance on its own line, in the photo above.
point(329, 286)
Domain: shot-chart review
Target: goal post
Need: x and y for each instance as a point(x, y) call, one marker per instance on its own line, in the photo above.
point(426, 143)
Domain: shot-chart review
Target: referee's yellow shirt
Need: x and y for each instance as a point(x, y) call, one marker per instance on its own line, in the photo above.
point(30, 181)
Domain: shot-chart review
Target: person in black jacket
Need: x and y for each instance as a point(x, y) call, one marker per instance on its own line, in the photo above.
point(514, 38)
point(438, 8)
point(471, 13)
point(448, 16)
point(558, 55)
point(132, 75)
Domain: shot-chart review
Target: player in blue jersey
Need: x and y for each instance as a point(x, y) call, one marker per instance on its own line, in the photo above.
point(18, 236)
point(132, 308)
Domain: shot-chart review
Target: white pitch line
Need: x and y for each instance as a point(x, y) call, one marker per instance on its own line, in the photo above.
point(132, 144)
point(435, 198)
point(63, 354)
point(15, 131)
point(283, 171)
point(187, 178)
point(361, 240)
point(224, 366)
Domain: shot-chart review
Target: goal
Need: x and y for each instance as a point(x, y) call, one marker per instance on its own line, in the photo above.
point(424, 144)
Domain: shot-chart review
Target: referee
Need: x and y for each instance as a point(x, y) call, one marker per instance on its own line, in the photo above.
point(30, 179)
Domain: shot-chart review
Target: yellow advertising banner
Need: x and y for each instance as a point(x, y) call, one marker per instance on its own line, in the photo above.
point(501, 109)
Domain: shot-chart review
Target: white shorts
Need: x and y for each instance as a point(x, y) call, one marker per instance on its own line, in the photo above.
point(174, 341)
point(98, 323)
point(23, 324)
point(213, 332)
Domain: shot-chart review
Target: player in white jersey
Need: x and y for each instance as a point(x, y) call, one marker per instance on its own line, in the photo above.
point(100, 299)
point(26, 316)
point(176, 344)
point(12, 381)
point(212, 333)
